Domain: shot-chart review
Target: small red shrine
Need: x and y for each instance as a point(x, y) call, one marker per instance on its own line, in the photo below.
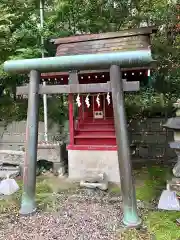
point(92, 144)
point(93, 127)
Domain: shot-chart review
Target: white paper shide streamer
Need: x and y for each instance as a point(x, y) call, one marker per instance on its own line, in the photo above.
point(108, 98)
point(87, 101)
point(78, 100)
point(98, 100)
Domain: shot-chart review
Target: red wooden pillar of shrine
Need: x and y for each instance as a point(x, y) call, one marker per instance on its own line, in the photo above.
point(73, 79)
point(71, 118)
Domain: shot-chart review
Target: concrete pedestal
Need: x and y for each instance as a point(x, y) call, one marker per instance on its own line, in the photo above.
point(83, 162)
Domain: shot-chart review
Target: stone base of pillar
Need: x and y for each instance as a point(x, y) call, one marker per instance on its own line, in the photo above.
point(132, 220)
point(28, 206)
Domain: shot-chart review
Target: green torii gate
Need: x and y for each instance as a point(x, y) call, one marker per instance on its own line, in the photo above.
point(115, 61)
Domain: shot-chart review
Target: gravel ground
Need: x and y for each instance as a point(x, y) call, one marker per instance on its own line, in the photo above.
point(78, 216)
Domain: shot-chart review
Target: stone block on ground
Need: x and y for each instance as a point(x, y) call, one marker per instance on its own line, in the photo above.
point(11, 157)
point(59, 169)
point(95, 181)
point(174, 185)
point(176, 169)
point(10, 171)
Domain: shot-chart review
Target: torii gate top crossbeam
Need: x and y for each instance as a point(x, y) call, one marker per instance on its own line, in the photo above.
point(81, 62)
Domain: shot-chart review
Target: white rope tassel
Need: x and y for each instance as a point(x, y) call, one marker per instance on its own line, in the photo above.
point(78, 100)
point(98, 100)
point(108, 98)
point(87, 101)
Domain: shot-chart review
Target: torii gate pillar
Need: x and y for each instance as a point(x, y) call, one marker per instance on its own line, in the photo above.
point(28, 205)
point(127, 187)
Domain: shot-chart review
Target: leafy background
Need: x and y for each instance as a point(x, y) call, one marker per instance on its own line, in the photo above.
point(20, 35)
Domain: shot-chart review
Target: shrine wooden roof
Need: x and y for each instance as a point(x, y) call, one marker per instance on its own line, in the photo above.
point(129, 39)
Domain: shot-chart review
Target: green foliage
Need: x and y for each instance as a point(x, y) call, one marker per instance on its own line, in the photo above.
point(134, 234)
point(149, 103)
point(154, 181)
point(11, 110)
point(58, 109)
point(20, 37)
point(163, 225)
point(146, 192)
point(114, 188)
point(43, 198)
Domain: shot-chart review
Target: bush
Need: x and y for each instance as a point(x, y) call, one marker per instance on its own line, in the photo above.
point(148, 103)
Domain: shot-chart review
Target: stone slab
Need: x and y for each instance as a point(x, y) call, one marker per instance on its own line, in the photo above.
point(174, 187)
point(50, 152)
point(9, 172)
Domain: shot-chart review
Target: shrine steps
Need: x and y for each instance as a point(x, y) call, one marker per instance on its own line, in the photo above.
point(95, 129)
point(95, 142)
point(96, 122)
point(95, 132)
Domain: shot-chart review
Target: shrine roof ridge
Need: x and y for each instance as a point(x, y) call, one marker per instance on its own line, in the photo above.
point(108, 35)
